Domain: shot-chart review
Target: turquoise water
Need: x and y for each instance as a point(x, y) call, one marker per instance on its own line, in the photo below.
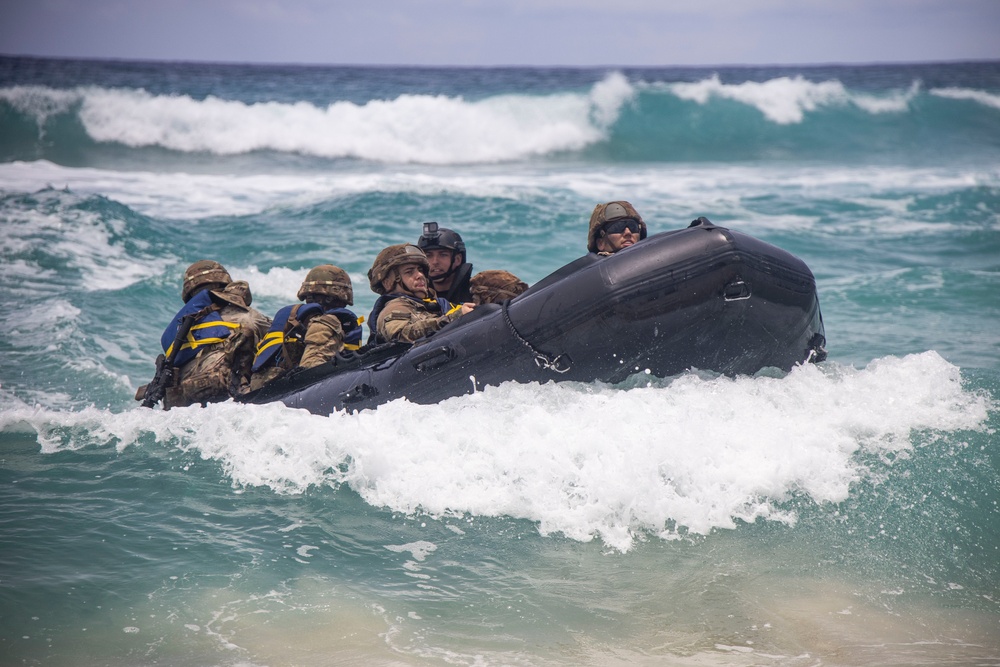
point(842, 514)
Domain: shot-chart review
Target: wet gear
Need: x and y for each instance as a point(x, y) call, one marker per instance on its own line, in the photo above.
point(208, 329)
point(424, 315)
point(605, 213)
point(203, 272)
point(289, 328)
point(211, 360)
point(166, 370)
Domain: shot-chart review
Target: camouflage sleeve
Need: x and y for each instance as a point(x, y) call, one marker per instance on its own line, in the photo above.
point(261, 323)
point(324, 339)
point(405, 321)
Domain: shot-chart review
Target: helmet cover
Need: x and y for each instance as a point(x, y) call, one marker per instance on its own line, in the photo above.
point(605, 213)
point(495, 286)
point(328, 280)
point(393, 257)
point(201, 273)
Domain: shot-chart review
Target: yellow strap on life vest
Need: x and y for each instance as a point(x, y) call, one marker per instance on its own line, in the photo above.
point(351, 346)
point(271, 339)
point(454, 308)
point(193, 344)
point(277, 338)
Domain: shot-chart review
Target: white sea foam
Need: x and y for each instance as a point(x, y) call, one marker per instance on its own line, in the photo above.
point(280, 283)
point(53, 227)
point(585, 461)
point(786, 100)
point(980, 96)
point(40, 102)
point(710, 189)
point(428, 129)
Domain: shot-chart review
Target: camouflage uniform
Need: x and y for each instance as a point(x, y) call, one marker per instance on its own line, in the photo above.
point(407, 320)
point(324, 334)
point(406, 317)
point(323, 339)
point(225, 366)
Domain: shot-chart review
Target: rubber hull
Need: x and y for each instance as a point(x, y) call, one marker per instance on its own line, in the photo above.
point(705, 298)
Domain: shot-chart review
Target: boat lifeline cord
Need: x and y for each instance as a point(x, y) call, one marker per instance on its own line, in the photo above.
point(560, 363)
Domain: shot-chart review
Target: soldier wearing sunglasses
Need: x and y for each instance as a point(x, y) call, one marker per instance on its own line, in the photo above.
point(614, 226)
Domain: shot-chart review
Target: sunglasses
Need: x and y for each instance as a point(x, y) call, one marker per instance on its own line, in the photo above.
point(620, 225)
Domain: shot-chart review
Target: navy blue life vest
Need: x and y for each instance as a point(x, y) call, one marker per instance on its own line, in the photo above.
point(209, 329)
point(439, 305)
point(269, 349)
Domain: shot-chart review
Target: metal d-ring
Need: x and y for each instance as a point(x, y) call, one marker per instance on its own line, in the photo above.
point(561, 363)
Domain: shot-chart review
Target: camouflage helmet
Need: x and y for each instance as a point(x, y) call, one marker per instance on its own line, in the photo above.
point(605, 213)
point(391, 258)
point(441, 238)
point(329, 280)
point(495, 286)
point(236, 293)
point(200, 273)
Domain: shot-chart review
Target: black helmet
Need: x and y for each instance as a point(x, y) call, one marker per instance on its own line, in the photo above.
point(440, 238)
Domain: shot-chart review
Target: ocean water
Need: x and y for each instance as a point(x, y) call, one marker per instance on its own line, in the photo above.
point(846, 513)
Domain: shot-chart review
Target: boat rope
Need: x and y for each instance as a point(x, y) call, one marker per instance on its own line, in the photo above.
point(816, 352)
point(558, 364)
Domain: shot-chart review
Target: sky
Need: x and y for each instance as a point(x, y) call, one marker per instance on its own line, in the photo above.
point(506, 32)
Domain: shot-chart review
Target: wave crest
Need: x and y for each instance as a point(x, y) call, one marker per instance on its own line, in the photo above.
point(786, 100)
point(535, 452)
point(428, 129)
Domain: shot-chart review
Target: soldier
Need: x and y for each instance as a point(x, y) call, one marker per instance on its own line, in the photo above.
point(495, 286)
point(209, 345)
point(449, 271)
point(614, 226)
point(311, 333)
point(407, 308)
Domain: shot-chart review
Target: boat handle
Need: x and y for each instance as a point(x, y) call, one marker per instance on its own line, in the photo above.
point(358, 393)
point(737, 290)
point(433, 358)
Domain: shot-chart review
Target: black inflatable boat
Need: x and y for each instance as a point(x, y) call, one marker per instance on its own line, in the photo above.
point(705, 298)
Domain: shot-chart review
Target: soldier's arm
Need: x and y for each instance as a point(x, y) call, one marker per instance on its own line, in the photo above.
point(324, 338)
point(406, 325)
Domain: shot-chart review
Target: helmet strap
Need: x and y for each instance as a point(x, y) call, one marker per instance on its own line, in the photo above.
point(391, 280)
point(450, 272)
